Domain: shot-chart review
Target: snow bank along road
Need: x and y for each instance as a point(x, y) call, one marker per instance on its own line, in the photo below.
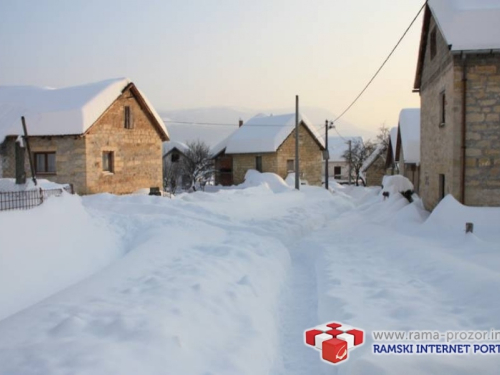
point(226, 283)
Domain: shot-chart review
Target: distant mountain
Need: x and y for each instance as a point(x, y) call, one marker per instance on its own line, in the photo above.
point(214, 124)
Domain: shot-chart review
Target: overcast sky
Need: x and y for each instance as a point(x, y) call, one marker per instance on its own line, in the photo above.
point(201, 53)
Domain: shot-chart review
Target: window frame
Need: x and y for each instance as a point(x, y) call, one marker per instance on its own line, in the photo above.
point(442, 186)
point(110, 156)
point(442, 108)
point(175, 157)
point(45, 162)
point(337, 176)
point(128, 121)
point(293, 165)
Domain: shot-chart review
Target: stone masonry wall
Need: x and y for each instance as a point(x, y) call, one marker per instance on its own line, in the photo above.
point(375, 173)
point(243, 162)
point(482, 174)
point(137, 151)
point(70, 159)
point(310, 157)
point(439, 145)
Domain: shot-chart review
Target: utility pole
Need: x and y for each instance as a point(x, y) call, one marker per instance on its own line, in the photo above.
point(350, 160)
point(327, 155)
point(27, 141)
point(297, 169)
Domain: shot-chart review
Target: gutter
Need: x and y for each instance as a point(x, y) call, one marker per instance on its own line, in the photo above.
point(464, 117)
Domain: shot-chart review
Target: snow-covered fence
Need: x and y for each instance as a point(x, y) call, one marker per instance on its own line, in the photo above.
point(26, 199)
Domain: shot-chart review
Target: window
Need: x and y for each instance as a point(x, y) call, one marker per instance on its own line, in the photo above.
point(337, 173)
point(433, 43)
point(129, 123)
point(175, 157)
point(442, 108)
point(290, 165)
point(441, 186)
point(258, 163)
point(45, 162)
point(108, 161)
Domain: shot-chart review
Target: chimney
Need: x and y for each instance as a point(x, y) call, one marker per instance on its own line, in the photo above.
point(240, 123)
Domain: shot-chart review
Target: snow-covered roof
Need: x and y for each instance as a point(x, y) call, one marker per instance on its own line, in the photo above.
point(64, 111)
point(221, 146)
point(264, 133)
point(394, 140)
point(373, 156)
point(337, 146)
point(468, 24)
point(170, 145)
point(409, 128)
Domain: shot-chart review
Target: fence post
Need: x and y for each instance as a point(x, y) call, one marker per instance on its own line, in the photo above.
point(41, 196)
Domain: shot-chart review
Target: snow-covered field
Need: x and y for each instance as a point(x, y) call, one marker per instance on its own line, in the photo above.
point(227, 282)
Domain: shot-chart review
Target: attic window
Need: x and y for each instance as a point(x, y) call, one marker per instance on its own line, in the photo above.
point(433, 43)
point(129, 124)
point(175, 157)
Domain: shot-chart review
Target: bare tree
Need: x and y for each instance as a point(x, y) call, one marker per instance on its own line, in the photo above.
point(360, 151)
point(172, 174)
point(198, 163)
point(383, 136)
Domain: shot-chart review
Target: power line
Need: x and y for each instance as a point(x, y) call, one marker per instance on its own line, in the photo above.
point(383, 64)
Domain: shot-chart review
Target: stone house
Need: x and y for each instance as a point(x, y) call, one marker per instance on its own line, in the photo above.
point(267, 144)
point(407, 155)
point(391, 165)
point(173, 175)
point(100, 137)
point(338, 167)
point(373, 169)
point(458, 79)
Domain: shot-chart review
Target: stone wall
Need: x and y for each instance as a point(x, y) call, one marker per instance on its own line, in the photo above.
point(70, 159)
point(439, 145)
point(375, 173)
point(482, 157)
point(243, 162)
point(137, 151)
point(310, 157)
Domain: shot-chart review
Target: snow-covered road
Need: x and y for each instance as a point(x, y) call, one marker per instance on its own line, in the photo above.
point(227, 282)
